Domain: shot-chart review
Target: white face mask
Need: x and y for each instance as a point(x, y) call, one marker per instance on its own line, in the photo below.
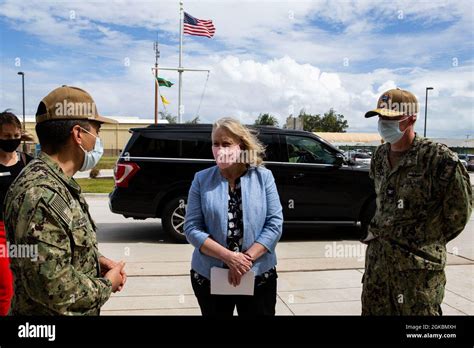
point(91, 158)
point(390, 131)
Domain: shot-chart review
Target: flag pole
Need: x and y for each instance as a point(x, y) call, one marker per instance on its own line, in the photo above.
point(157, 55)
point(180, 67)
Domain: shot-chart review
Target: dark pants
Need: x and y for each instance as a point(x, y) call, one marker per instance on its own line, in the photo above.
point(389, 291)
point(262, 303)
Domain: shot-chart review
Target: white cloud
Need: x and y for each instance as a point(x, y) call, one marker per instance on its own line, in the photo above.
point(267, 56)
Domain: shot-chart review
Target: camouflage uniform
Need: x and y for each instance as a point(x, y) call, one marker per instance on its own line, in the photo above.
point(44, 207)
point(422, 203)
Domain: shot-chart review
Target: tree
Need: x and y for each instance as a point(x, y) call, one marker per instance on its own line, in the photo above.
point(310, 122)
point(330, 122)
point(266, 120)
point(165, 115)
point(193, 121)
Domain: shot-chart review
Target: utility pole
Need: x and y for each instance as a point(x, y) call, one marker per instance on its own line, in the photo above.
point(157, 55)
point(22, 74)
point(426, 108)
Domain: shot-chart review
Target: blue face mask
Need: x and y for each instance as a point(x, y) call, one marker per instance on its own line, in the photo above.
point(390, 131)
point(91, 158)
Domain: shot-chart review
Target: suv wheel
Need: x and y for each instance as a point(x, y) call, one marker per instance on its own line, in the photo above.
point(173, 218)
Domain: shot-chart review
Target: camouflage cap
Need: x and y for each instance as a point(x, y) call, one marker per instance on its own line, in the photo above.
point(69, 103)
point(394, 103)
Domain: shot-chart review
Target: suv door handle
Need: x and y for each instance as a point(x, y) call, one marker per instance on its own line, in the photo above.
point(298, 176)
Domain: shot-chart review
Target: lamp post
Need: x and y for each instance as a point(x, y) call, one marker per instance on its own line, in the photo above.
point(426, 108)
point(23, 95)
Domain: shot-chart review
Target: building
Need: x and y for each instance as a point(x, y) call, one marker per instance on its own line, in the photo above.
point(293, 123)
point(351, 139)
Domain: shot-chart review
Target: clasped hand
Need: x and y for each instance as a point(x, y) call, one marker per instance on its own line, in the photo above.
point(239, 264)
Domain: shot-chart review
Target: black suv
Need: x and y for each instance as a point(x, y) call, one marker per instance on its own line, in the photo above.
point(316, 183)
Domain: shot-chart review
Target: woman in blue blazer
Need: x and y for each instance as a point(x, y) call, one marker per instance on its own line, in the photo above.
point(234, 220)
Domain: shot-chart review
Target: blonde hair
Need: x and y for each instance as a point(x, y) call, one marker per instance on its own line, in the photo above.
point(255, 150)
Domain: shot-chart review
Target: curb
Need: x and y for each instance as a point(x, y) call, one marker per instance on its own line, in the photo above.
point(89, 194)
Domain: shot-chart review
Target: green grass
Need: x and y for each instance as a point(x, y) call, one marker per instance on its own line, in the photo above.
point(96, 185)
point(106, 162)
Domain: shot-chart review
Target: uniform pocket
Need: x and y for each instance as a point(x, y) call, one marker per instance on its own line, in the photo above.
point(81, 233)
point(415, 189)
point(413, 198)
point(422, 290)
point(85, 256)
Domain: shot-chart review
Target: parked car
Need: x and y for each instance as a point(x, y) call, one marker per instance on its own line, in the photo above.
point(317, 186)
point(467, 160)
point(359, 157)
point(362, 158)
point(470, 162)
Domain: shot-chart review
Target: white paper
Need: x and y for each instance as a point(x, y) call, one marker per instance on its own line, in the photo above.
point(220, 283)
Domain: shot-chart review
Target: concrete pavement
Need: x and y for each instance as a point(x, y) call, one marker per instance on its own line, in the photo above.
point(319, 271)
point(299, 293)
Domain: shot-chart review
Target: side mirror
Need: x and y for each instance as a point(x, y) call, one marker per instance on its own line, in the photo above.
point(339, 161)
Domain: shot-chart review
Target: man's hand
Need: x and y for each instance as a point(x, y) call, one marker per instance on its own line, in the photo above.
point(115, 276)
point(107, 264)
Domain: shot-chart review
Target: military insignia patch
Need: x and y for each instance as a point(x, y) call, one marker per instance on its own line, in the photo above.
point(384, 102)
point(61, 208)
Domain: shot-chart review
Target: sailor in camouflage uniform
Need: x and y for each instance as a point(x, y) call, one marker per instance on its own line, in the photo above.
point(45, 208)
point(424, 200)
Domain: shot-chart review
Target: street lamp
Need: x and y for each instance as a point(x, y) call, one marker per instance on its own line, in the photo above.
point(426, 108)
point(23, 93)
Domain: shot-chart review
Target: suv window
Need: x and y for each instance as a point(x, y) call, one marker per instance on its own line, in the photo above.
point(267, 141)
point(307, 150)
point(172, 145)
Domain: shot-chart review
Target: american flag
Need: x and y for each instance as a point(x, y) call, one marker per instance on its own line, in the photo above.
point(199, 27)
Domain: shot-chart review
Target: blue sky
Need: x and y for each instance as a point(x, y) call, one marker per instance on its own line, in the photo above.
point(267, 56)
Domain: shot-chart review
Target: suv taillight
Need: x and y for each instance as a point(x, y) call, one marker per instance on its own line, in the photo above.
point(123, 172)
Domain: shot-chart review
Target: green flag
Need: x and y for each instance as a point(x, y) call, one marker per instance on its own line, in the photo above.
point(163, 82)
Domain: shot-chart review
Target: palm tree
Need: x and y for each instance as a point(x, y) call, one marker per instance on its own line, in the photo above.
point(266, 120)
point(167, 116)
point(193, 121)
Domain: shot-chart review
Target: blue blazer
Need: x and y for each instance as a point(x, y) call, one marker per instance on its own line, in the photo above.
point(207, 216)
